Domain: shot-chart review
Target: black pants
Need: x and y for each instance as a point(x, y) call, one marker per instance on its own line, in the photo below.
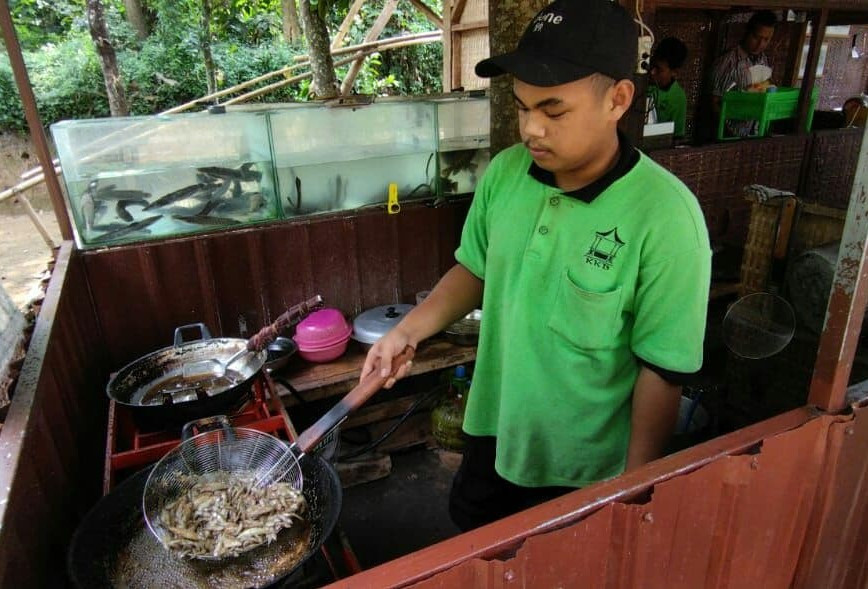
point(480, 496)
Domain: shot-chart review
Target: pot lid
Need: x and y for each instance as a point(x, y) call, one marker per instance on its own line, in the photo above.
point(373, 324)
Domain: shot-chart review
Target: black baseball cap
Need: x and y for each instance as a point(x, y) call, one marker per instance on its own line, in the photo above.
point(568, 40)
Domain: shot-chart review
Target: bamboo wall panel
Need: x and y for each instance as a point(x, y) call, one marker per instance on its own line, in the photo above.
point(236, 282)
point(831, 167)
point(54, 430)
point(741, 521)
point(718, 173)
point(843, 75)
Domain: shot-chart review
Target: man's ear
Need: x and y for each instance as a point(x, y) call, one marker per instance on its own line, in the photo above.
point(621, 97)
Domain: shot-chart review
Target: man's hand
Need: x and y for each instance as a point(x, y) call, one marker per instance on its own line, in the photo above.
point(457, 293)
point(384, 351)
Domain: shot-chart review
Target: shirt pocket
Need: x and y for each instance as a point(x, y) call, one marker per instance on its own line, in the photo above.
point(588, 320)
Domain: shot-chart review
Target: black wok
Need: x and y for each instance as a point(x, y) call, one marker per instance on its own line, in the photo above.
point(155, 390)
point(159, 393)
point(113, 547)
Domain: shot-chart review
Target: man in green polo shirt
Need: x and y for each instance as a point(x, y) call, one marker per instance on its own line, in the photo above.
point(592, 267)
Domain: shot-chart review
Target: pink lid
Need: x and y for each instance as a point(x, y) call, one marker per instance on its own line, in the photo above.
point(321, 329)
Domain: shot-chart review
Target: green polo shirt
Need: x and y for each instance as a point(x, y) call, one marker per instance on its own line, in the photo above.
point(671, 105)
point(577, 294)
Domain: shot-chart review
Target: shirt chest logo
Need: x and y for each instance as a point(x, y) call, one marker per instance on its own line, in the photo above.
point(604, 248)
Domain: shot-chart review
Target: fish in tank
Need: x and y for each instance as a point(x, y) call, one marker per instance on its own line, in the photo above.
point(461, 169)
point(121, 207)
point(341, 185)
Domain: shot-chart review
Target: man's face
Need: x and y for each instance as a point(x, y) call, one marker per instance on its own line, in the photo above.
point(562, 126)
point(661, 73)
point(756, 41)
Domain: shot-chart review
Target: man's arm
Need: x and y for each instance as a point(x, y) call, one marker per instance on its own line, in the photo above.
point(456, 294)
point(655, 413)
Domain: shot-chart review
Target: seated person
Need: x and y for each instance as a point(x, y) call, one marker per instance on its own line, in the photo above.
point(732, 70)
point(666, 93)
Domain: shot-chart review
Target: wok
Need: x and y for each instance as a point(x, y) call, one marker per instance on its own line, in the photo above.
point(157, 393)
point(113, 547)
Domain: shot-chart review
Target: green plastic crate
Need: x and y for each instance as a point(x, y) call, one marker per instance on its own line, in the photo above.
point(763, 107)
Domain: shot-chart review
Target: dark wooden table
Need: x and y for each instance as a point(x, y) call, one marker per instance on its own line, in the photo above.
point(320, 381)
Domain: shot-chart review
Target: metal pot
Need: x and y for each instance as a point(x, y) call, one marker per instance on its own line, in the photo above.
point(112, 547)
point(158, 394)
point(374, 323)
point(465, 331)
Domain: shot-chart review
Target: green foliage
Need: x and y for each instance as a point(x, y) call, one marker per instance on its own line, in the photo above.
point(167, 70)
point(11, 111)
point(409, 70)
point(45, 21)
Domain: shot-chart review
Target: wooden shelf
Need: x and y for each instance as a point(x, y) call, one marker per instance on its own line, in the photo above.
point(338, 377)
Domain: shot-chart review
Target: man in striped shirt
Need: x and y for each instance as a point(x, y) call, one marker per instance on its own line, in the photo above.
point(731, 71)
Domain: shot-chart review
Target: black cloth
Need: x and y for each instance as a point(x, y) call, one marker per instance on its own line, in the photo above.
point(480, 496)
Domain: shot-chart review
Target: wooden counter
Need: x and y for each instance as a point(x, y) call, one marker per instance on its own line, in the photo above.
point(320, 381)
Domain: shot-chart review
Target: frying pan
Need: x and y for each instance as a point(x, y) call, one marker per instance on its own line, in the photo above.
point(112, 547)
point(159, 393)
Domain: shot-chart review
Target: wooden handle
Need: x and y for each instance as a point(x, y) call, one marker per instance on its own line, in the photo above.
point(269, 333)
point(351, 401)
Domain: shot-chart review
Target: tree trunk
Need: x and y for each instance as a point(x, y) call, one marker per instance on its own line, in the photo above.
point(291, 26)
point(108, 62)
point(205, 44)
point(136, 18)
point(506, 22)
point(325, 83)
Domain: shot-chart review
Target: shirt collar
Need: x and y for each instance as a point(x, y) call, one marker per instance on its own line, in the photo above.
point(627, 158)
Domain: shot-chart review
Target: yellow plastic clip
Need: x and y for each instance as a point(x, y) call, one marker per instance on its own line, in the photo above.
point(394, 206)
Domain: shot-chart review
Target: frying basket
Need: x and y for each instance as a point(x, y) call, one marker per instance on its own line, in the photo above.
point(212, 455)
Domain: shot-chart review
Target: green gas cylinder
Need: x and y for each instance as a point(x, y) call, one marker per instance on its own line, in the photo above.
point(448, 416)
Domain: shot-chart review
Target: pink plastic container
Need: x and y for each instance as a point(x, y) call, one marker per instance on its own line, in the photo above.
point(322, 336)
point(328, 354)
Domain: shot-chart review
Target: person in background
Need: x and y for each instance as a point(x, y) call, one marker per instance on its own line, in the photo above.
point(592, 267)
point(855, 110)
point(666, 93)
point(731, 71)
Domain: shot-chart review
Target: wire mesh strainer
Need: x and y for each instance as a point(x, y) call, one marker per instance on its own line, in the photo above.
point(212, 456)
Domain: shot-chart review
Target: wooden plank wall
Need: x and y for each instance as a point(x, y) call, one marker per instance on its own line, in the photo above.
point(793, 512)
point(54, 433)
point(236, 282)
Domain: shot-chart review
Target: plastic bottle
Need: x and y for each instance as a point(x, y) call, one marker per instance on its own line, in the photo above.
point(448, 417)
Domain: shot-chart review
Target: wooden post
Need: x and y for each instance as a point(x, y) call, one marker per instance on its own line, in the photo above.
point(447, 45)
point(37, 132)
point(847, 301)
point(818, 33)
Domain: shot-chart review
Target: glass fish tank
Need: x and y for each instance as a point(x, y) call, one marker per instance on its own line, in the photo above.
point(131, 179)
point(463, 143)
point(332, 158)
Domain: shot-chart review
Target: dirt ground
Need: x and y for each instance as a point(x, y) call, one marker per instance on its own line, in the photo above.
point(24, 255)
